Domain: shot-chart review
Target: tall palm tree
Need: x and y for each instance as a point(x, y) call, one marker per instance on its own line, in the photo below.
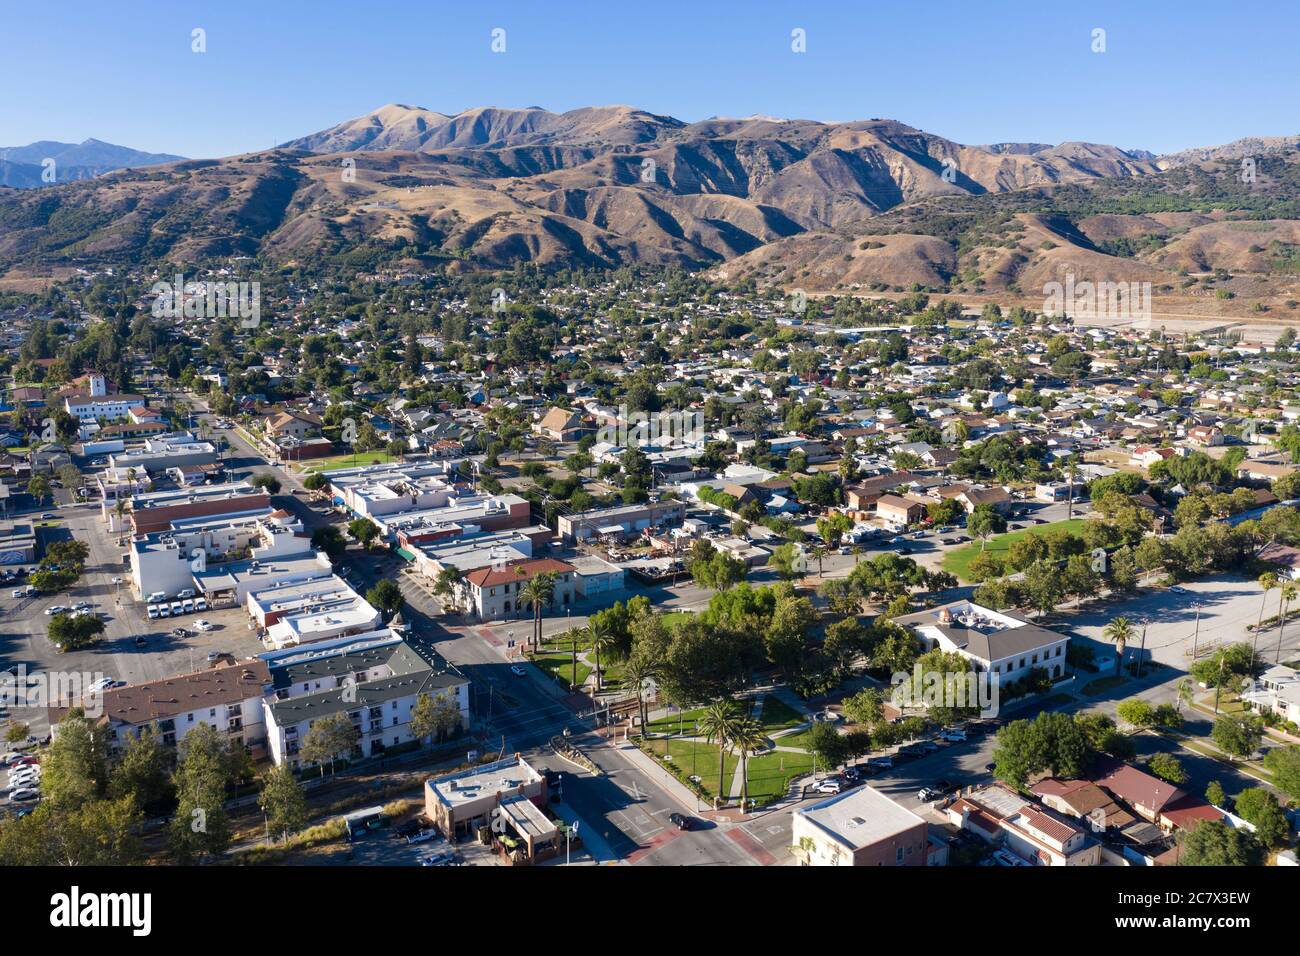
point(1186, 693)
point(602, 638)
point(637, 672)
point(536, 593)
point(721, 721)
point(1120, 630)
point(748, 738)
point(1268, 581)
point(1287, 595)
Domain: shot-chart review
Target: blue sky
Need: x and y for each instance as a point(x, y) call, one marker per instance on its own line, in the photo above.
point(1174, 74)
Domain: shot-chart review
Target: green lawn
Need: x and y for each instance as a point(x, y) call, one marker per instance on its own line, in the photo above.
point(778, 715)
point(347, 461)
point(799, 740)
point(561, 665)
point(692, 757)
point(770, 775)
point(958, 561)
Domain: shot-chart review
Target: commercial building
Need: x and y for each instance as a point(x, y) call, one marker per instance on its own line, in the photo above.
point(620, 522)
point(504, 797)
point(1033, 834)
point(160, 454)
point(493, 593)
point(861, 827)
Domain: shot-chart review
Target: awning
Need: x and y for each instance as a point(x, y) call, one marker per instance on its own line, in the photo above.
point(406, 555)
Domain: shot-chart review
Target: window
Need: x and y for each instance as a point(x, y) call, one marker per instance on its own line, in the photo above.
point(898, 858)
point(1058, 650)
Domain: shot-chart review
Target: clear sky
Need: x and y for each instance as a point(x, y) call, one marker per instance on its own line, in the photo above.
point(1175, 73)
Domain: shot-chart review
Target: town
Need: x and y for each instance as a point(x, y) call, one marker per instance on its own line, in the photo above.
point(642, 570)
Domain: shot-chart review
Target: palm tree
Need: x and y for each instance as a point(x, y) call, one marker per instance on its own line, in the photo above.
point(537, 592)
point(721, 721)
point(748, 738)
point(602, 637)
point(1267, 581)
point(637, 672)
point(1288, 594)
point(575, 634)
point(818, 553)
point(1186, 693)
point(1120, 630)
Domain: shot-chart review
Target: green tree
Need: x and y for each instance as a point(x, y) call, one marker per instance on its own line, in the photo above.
point(386, 596)
point(143, 771)
point(266, 481)
point(1214, 843)
point(364, 531)
point(1215, 795)
point(283, 801)
point(1284, 764)
point(1260, 807)
point(1119, 631)
point(1167, 767)
point(74, 770)
point(329, 539)
point(1238, 735)
point(329, 739)
point(95, 833)
point(435, 717)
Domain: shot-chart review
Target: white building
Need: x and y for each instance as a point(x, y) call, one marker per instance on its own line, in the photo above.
point(1002, 642)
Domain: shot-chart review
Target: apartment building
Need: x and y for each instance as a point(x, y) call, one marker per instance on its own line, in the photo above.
point(375, 678)
point(493, 593)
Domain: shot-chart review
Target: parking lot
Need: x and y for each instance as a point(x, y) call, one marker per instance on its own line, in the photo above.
point(132, 648)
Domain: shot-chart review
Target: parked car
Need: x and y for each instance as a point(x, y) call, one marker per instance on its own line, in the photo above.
point(883, 763)
point(681, 821)
point(24, 795)
point(954, 734)
point(55, 609)
point(421, 836)
point(829, 785)
point(203, 625)
point(103, 683)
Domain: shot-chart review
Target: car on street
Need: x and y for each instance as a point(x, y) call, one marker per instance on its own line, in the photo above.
point(829, 785)
point(48, 516)
point(103, 683)
point(1175, 589)
point(953, 734)
point(927, 746)
point(681, 821)
point(882, 763)
point(55, 609)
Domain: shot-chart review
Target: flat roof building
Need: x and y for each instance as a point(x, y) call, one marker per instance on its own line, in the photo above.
point(861, 827)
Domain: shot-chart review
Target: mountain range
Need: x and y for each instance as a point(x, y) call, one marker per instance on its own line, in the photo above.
point(858, 204)
point(22, 166)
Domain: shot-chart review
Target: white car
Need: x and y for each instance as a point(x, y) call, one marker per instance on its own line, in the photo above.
point(103, 683)
point(954, 735)
point(422, 836)
point(24, 795)
point(55, 609)
point(24, 775)
point(829, 786)
point(203, 625)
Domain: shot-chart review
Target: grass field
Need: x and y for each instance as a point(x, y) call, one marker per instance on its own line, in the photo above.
point(561, 665)
point(958, 561)
point(347, 461)
point(771, 774)
point(693, 757)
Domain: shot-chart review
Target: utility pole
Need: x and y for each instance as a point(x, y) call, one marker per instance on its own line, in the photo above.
point(1197, 635)
point(1218, 684)
point(1069, 482)
point(1142, 649)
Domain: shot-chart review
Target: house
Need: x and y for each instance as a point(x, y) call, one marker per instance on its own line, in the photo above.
point(561, 424)
point(1032, 833)
point(1151, 798)
point(995, 498)
point(1284, 557)
point(999, 642)
point(861, 827)
point(899, 512)
point(1204, 436)
point(1276, 691)
point(91, 408)
point(290, 424)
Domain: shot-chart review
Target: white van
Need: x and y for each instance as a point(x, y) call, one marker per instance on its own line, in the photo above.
point(187, 593)
point(200, 604)
point(153, 612)
point(164, 610)
point(176, 608)
point(156, 597)
point(188, 606)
